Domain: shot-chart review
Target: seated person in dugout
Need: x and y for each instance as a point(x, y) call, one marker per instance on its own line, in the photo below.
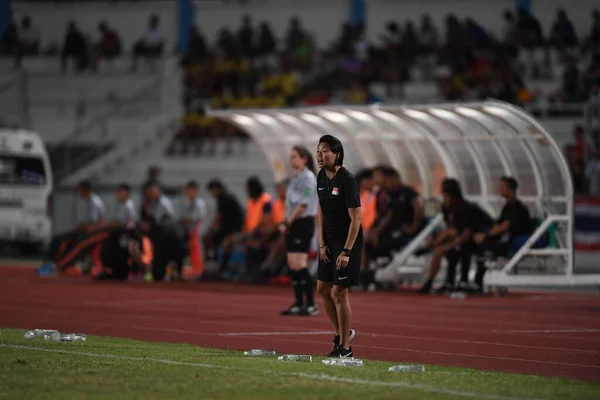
point(257, 228)
point(68, 247)
point(400, 221)
point(228, 222)
point(276, 259)
point(514, 221)
point(463, 219)
point(126, 250)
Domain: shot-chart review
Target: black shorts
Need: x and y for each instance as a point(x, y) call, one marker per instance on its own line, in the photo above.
point(299, 236)
point(349, 276)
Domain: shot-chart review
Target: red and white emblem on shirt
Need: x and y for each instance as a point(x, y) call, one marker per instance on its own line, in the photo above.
point(335, 191)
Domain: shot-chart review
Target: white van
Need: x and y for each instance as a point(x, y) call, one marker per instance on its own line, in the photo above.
point(25, 190)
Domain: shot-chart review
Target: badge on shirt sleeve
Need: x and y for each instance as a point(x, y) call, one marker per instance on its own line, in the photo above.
point(335, 191)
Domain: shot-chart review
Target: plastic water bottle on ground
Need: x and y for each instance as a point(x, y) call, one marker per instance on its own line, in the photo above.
point(295, 358)
point(39, 333)
point(344, 362)
point(407, 368)
point(260, 353)
point(73, 337)
point(53, 336)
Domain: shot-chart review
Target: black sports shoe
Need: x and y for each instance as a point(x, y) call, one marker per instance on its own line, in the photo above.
point(343, 353)
point(336, 343)
point(309, 311)
point(293, 310)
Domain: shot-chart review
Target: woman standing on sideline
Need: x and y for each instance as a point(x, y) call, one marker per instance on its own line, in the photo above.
point(340, 240)
point(301, 205)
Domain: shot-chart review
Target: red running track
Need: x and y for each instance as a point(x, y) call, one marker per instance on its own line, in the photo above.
point(535, 333)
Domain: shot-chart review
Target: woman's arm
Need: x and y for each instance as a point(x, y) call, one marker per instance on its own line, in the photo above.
point(356, 221)
point(320, 226)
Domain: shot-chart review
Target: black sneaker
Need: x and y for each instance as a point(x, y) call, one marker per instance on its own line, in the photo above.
point(343, 353)
point(293, 310)
point(309, 311)
point(336, 343)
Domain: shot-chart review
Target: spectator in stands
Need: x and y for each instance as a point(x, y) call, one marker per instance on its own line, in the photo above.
point(75, 46)
point(591, 78)
point(245, 37)
point(592, 174)
point(571, 90)
point(295, 35)
point(109, 45)
point(529, 30)
point(455, 241)
point(513, 224)
point(9, 42)
point(192, 217)
point(29, 39)
point(228, 222)
point(509, 29)
point(125, 215)
point(592, 41)
point(198, 50)
point(266, 40)
point(428, 35)
point(151, 45)
point(562, 34)
point(402, 220)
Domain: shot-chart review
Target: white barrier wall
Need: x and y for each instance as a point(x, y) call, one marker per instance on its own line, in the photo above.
point(322, 18)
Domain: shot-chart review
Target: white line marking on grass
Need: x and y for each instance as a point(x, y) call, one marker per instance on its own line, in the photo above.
point(548, 331)
point(318, 377)
point(274, 333)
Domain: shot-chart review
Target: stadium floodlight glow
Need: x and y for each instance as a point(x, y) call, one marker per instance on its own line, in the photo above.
point(359, 115)
point(334, 116)
point(242, 119)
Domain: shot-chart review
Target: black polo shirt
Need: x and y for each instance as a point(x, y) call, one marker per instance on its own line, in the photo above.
point(336, 196)
point(466, 215)
point(401, 205)
point(518, 215)
point(232, 213)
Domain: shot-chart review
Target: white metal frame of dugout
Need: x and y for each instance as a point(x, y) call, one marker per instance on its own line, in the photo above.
point(476, 143)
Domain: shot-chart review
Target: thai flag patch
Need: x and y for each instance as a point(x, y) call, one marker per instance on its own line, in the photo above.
point(335, 191)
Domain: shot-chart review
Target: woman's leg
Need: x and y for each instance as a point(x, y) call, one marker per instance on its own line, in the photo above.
point(324, 289)
point(341, 296)
point(298, 263)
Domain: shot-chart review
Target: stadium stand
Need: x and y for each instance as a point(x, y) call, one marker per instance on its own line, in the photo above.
point(192, 121)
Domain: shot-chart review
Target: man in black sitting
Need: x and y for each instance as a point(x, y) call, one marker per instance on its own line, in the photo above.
point(402, 219)
point(514, 221)
point(455, 241)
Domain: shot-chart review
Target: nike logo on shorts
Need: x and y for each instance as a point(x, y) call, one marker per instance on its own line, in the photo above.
point(321, 188)
point(342, 278)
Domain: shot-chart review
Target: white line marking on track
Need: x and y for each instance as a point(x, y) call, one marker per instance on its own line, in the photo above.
point(548, 331)
point(273, 333)
point(318, 377)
